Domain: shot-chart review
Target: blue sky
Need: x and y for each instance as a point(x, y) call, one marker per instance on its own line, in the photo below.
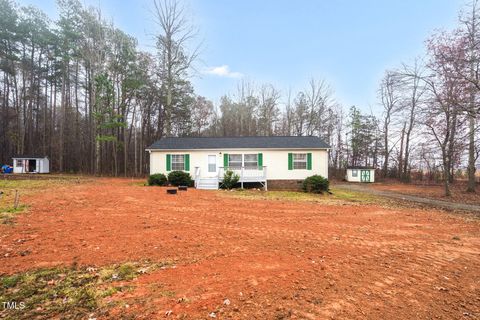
point(286, 43)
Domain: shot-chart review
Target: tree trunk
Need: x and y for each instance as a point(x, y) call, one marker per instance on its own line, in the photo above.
point(400, 156)
point(471, 155)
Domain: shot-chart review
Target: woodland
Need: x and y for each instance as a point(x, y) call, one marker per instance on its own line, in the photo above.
point(82, 92)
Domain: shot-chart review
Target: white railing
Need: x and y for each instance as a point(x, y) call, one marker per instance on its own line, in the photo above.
point(246, 174)
point(197, 176)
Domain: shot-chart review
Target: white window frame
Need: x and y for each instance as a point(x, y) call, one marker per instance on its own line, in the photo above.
point(236, 161)
point(19, 163)
point(354, 173)
point(178, 162)
point(299, 164)
point(250, 164)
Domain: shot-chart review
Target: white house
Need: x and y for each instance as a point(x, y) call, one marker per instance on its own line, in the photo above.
point(360, 174)
point(31, 164)
point(279, 162)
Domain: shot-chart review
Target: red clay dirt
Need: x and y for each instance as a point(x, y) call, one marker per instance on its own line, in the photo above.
point(270, 259)
point(457, 189)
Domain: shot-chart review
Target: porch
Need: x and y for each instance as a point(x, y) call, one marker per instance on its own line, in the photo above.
point(246, 175)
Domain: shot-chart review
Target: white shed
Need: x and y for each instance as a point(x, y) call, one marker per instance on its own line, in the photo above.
point(31, 164)
point(360, 174)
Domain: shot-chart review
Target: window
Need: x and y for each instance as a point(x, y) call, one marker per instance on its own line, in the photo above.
point(299, 161)
point(212, 163)
point(19, 163)
point(235, 161)
point(178, 162)
point(250, 161)
point(354, 173)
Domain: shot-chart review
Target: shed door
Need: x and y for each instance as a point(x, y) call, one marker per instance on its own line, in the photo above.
point(365, 175)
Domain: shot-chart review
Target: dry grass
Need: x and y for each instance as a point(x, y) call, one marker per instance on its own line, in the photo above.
point(26, 187)
point(337, 196)
point(73, 293)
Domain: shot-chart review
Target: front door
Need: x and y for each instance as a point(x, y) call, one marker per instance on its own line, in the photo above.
point(365, 175)
point(212, 165)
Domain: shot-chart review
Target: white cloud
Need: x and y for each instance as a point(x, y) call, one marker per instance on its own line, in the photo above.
point(223, 71)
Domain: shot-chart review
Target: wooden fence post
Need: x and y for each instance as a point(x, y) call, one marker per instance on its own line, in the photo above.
point(15, 204)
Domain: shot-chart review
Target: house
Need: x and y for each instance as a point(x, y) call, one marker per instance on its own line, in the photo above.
point(360, 174)
point(279, 162)
point(31, 164)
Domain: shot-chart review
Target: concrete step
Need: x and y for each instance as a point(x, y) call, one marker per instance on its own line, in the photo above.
point(207, 183)
point(207, 186)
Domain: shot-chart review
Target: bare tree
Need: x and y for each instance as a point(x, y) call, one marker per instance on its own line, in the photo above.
point(443, 111)
point(469, 69)
point(173, 38)
point(202, 115)
point(390, 98)
point(268, 110)
point(413, 91)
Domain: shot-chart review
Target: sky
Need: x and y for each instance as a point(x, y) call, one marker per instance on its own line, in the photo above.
point(348, 43)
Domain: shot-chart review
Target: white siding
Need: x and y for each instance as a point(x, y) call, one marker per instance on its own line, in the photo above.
point(44, 165)
point(18, 169)
point(276, 162)
point(351, 178)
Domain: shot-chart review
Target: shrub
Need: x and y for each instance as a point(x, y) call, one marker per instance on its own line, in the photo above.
point(315, 184)
point(230, 179)
point(157, 179)
point(180, 178)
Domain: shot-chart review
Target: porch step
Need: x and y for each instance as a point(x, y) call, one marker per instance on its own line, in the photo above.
point(207, 184)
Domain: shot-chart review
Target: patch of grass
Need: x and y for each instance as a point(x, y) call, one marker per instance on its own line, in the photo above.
point(10, 281)
point(272, 195)
point(110, 291)
point(126, 271)
point(7, 215)
point(168, 293)
point(353, 196)
point(26, 187)
point(20, 208)
point(139, 183)
point(336, 196)
point(66, 292)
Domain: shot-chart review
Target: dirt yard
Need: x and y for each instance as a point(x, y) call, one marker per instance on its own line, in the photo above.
point(233, 258)
point(433, 191)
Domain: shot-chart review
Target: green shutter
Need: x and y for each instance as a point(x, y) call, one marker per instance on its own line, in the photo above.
point(260, 160)
point(290, 161)
point(309, 161)
point(169, 162)
point(187, 162)
point(225, 160)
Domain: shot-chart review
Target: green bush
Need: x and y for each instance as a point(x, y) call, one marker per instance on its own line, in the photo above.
point(180, 178)
point(230, 179)
point(315, 184)
point(157, 179)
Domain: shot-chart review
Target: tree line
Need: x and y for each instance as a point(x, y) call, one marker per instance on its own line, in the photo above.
point(80, 90)
point(431, 107)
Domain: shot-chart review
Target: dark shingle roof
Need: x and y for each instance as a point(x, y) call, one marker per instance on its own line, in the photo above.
point(360, 167)
point(28, 156)
point(240, 143)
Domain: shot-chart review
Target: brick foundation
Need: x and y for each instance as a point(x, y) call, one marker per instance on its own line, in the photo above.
point(285, 184)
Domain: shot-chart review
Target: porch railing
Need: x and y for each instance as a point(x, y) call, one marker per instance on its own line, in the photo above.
point(197, 176)
point(246, 174)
